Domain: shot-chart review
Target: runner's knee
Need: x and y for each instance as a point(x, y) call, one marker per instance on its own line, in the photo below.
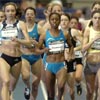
point(6, 82)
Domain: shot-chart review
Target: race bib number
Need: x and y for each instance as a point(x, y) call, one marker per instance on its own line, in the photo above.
point(96, 45)
point(78, 54)
point(78, 43)
point(56, 46)
point(9, 33)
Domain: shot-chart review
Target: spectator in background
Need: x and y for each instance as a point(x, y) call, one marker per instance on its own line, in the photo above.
point(27, 3)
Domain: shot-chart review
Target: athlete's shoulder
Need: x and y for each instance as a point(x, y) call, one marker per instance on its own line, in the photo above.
point(21, 22)
point(41, 30)
point(65, 33)
point(73, 30)
point(87, 29)
point(39, 26)
point(1, 25)
point(87, 32)
point(41, 22)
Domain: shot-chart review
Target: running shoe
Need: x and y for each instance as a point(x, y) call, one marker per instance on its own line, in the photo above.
point(79, 89)
point(27, 93)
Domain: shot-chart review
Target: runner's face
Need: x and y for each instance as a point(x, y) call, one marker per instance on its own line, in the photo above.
point(64, 21)
point(54, 20)
point(96, 7)
point(96, 19)
point(2, 16)
point(57, 9)
point(30, 15)
point(47, 12)
point(10, 11)
point(74, 23)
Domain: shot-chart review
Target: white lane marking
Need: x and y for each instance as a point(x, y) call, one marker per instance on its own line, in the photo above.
point(43, 89)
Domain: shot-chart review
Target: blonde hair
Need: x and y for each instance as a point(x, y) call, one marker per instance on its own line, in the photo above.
point(56, 4)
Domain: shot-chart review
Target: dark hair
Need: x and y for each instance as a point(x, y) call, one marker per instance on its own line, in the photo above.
point(96, 2)
point(53, 14)
point(91, 23)
point(31, 8)
point(74, 17)
point(67, 15)
point(18, 13)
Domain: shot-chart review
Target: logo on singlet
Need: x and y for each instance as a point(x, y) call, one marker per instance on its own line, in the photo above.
point(16, 60)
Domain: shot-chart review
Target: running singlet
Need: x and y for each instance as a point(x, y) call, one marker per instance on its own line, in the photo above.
point(7, 31)
point(34, 33)
point(76, 43)
point(95, 47)
point(78, 53)
point(55, 44)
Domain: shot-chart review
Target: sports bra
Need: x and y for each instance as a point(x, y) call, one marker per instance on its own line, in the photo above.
point(7, 31)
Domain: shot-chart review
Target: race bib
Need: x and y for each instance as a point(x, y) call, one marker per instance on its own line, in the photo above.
point(78, 43)
point(56, 46)
point(9, 33)
point(96, 45)
point(78, 54)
